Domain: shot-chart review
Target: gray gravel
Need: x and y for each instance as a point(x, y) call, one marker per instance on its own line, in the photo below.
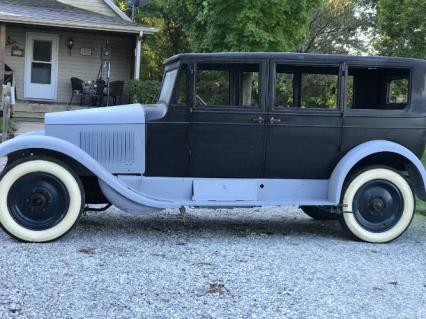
point(241, 263)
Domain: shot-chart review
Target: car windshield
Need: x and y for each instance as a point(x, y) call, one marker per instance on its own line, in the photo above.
point(168, 85)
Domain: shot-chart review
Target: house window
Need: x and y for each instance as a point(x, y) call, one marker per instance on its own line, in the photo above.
point(377, 88)
point(306, 87)
point(41, 67)
point(42, 51)
point(228, 85)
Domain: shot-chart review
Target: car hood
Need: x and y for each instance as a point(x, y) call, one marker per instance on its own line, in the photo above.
point(122, 114)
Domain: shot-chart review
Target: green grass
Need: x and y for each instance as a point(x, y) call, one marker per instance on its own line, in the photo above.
point(421, 205)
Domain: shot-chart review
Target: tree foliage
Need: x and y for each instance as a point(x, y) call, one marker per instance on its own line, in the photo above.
point(172, 38)
point(212, 26)
point(323, 26)
point(341, 26)
point(402, 28)
point(246, 25)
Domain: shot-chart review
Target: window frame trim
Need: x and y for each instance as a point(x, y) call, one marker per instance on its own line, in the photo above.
point(263, 74)
point(322, 111)
point(389, 79)
point(373, 112)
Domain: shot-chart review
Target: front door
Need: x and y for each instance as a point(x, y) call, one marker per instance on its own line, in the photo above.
point(304, 123)
point(227, 120)
point(41, 66)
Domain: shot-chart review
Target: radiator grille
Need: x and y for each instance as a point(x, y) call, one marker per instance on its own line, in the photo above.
point(109, 147)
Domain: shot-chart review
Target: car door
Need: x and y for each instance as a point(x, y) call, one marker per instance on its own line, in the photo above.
point(167, 148)
point(304, 122)
point(227, 119)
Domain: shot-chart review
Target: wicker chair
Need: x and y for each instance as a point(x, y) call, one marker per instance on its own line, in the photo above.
point(116, 89)
point(99, 95)
point(77, 89)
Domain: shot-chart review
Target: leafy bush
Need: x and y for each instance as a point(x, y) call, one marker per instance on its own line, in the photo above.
point(145, 92)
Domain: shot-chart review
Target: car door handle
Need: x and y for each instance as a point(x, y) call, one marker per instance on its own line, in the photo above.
point(273, 120)
point(259, 120)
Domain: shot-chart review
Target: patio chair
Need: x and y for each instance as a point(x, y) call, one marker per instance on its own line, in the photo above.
point(100, 92)
point(77, 89)
point(116, 89)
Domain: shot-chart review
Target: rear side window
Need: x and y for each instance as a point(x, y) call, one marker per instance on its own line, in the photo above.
point(227, 85)
point(376, 88)
point(397, 91)
point(306, 87)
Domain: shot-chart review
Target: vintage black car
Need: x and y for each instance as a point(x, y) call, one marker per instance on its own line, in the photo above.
point(340, 136)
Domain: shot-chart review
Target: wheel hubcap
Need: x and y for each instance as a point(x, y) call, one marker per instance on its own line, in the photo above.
point(378, 205)
point(38, 201)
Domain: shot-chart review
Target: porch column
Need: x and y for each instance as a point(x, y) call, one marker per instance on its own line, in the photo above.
point(138, 52)
point(2, 52)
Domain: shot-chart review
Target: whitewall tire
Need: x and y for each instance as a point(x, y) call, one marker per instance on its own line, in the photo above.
point(378, 205)
point(40, 200)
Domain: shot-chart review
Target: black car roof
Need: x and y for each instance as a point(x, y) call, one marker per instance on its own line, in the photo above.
point(308, 57)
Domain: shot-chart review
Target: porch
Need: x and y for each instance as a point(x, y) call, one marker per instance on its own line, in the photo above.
point(27, 111)
point(44, 45)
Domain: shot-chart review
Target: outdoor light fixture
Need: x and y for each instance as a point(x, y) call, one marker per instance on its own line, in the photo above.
point(70, 44)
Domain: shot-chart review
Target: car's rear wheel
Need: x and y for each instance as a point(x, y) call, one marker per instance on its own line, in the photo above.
point(378, 205)
point(40, 200)
point(320, 212)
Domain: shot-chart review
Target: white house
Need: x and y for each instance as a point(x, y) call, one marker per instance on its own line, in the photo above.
point(44, 43)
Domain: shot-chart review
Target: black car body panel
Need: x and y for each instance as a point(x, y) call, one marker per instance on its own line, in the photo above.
point(286, 143)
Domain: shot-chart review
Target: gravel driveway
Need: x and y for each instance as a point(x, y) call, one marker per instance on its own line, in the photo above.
point(241, 263)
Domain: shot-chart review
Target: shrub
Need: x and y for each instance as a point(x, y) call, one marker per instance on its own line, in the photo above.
point(145, 92)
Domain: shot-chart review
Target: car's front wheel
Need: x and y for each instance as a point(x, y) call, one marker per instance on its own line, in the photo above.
point(378, 205)
point(40, 200)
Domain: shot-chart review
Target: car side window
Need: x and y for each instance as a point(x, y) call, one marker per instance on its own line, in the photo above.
point(306, 87)
point(181, 90)
point(377, 88)
point(227, 85)
point(397, 91)
point(284, 89)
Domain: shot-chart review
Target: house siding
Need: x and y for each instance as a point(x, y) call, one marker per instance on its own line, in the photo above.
point(75, 65)
point(98, 6)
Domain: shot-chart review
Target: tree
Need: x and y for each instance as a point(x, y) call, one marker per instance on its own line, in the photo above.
point(171, 39)
point(246, 25)
point(402, 28)
point(341, 26)
point(213, 25)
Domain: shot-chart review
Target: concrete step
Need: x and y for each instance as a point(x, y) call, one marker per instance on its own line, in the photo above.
point(28, 119)
point(44, 107)
point(34, 112)
point(36, 115)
